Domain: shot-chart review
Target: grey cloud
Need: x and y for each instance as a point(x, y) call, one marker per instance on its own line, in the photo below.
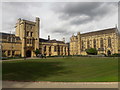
point(14, 10)
point(95, 11)
point(61, 31)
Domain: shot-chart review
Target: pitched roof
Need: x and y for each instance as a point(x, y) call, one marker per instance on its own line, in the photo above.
point(104, 31)
point(50, 41)
point(5, 35)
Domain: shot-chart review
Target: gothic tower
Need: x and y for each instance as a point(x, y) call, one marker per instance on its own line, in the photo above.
point(79, 43)
point(28, 32)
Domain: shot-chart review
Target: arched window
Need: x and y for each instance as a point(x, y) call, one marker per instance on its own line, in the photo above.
point(88, 44)
point(55, 48)
point(45, 49)
point(13, 39)
point(94, 43)
point(82, 45)
point(27, 33)
point(9, 39)
point(50, 49)
point(109, 42)
point(101, 43)
point(65, 50)
point(61, 48)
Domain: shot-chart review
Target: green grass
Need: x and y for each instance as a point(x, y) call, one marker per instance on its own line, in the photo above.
point(79, 69)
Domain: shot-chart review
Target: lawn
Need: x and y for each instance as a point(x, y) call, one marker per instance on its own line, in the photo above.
point(78, 69)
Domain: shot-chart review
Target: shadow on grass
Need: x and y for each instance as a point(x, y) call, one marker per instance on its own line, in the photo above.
point(31, 71)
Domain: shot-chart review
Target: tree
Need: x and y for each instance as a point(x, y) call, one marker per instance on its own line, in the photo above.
point(91, 51)
point(37, 51)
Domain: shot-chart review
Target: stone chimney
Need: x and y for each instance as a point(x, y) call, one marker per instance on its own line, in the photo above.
point(64, 40)
point(49, 37)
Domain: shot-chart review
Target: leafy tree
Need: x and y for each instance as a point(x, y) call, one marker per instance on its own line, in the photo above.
point(91, 51)
point(37, 51)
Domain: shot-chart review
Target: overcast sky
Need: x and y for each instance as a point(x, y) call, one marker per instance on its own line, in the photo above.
point(61, 19)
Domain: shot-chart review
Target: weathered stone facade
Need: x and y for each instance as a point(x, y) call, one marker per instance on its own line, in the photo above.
point(105, 41)
point(53, 47)
point(10, 45)
point(26, 41)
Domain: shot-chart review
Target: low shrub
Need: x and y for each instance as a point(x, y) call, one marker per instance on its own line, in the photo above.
point(91, 51)
point(115, 55)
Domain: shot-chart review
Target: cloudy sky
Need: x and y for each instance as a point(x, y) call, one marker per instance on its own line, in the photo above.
point(61, 19)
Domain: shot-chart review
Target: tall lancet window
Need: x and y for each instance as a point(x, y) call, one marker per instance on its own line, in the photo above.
point(109, 42)
point(101, 43)
point(88, 44)
point(82, 45)
point(45, 49)
point(50, 49)
point(94, 43)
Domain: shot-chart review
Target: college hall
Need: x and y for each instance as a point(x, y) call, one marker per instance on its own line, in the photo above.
point(26, 40)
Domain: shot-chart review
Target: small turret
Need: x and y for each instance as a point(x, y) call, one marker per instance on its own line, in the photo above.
point(37, 19)
point(19, 20)
point(78, 33)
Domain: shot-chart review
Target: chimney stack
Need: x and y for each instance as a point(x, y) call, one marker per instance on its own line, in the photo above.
point(49, 37)
point(64, 40)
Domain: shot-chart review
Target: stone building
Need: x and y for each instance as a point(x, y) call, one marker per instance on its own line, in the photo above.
point(53, 47)
point(106, 41)
point(10, 45)
point(26, 41)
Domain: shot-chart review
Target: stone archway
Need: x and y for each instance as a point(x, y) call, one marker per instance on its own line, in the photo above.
point(108, 52)
point(28, 53)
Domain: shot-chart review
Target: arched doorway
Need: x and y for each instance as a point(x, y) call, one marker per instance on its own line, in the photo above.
point(28, 53)
point(108, 52)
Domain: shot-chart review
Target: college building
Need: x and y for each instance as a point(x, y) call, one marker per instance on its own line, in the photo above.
point(26, 40)
point(105, 41)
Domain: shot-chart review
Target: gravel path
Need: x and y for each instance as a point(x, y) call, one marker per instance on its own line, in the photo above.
point(15, 84)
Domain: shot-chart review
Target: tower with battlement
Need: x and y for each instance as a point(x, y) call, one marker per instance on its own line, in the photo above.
point(28, 31)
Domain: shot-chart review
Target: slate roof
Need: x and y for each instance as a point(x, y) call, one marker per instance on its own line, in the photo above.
point(5, 35)
point(50, 41)
point(109, 30)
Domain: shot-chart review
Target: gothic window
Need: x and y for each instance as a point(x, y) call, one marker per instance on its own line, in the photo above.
point(27, 40)
point(45, 49)
point(55, 48)
point(50, 49)
point(88, 44)
point(61, 48)
point(31, 34)
point(8, 53)
point(101, 43)
point(65, 49)
point(30, 27)
point(82, 46)
point(9, 39)
point(109, 42)
point(30, 41)
point(27, 33)
point(13, 39)
point(94, 43)
point(13, 53)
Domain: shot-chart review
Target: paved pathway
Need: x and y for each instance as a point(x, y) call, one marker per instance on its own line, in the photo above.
point(14, 84)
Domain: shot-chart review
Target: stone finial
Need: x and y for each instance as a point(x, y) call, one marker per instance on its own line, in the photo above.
point(78, 33)
point(19, 19)
point(37, 18)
